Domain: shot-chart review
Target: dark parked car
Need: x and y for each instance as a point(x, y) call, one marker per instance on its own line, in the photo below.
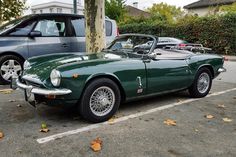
point(130, 68)
point(41, 34)
point(168, 42)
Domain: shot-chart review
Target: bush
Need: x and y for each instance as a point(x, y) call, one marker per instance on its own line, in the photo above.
point(217, 32)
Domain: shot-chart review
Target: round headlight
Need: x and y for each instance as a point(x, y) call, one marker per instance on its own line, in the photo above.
point(26, 65)
point(55, 77)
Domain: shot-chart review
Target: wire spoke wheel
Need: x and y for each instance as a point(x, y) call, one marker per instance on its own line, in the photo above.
point(203, 82)
point(102, 101)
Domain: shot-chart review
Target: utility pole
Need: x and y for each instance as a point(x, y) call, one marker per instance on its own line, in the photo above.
point(75, 6)
point(95, 25)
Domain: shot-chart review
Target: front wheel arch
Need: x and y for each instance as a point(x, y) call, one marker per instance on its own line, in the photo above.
point(209, 67)
point(13, 54)
point(111, 77)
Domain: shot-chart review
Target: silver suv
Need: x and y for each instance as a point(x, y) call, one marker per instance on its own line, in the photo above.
point(41, 34)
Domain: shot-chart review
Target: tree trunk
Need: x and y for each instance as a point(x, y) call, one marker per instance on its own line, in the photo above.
point(94, 25)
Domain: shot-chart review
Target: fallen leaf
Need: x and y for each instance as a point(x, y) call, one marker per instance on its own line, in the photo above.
point(209, 116)
point(96, 145)
point(43, 125)
point(111, 120)
point(221, 106)
point(170, 122)
point(6, 91)
point(1, 135)
point(44, 130)
point(19, 105)
point(219, 78)
point(12, 100)
point(227, 120)
point(179, 100)
point(234, 97)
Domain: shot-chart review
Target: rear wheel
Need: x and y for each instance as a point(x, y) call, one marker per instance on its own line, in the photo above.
point(202, 83)
point(10, 65)
point(100, 100)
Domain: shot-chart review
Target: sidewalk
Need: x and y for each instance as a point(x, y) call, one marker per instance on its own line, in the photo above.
point(230, 58)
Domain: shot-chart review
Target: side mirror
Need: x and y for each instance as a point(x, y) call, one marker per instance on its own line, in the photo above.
point(35, 34)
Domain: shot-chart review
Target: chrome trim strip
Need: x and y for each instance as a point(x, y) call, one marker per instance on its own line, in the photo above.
point(220, 70)
point(40, 91)
point(32, 78)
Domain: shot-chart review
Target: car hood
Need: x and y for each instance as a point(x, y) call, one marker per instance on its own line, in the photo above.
point(41, 67)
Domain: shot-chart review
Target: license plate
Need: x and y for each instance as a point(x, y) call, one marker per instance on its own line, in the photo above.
point(28, 95)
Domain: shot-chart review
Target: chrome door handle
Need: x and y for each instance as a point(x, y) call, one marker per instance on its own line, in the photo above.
point(64, 45)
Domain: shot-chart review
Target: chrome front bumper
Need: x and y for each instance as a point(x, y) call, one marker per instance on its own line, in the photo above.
point(40, 91)
point(220, 70)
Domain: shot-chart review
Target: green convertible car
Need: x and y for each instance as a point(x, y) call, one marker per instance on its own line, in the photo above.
point(130, 68)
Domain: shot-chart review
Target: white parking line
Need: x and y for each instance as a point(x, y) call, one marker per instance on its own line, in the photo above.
point(121, 119)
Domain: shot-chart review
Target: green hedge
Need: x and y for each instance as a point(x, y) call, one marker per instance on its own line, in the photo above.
point(216, 32)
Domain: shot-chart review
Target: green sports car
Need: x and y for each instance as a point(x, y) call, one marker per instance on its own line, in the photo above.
point(130, 68)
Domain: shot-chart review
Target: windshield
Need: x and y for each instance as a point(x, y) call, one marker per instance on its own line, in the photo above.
point(132, 44)
point(12, 24)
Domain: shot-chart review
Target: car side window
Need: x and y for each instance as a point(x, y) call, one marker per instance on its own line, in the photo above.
point(22, 29)
point(55, 27)
point(78, 27)
point(108, 28)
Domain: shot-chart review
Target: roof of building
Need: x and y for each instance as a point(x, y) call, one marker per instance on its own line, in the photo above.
point(132, 11)
point(208, 3)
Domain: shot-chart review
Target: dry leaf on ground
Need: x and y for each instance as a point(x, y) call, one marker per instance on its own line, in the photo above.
point(179, 100)
point(209, 116)
point(221, 106)
point(234, 97)
point(1, 135)
point(12, 100)
point(44, 130)
point(19, 105)
point(96, 145)
point(170, 122)
point(112, 120)
point(227, 120)
point(6, 91)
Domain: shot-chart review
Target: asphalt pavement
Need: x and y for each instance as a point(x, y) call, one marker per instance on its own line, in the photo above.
point(138, 129)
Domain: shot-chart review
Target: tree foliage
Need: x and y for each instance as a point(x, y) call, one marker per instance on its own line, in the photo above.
point(216, 31)
point(169, 12)
point(10, 9)
point(115, 9)
point(228, 8)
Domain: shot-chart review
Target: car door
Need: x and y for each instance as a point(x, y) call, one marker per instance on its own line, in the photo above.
point(78, 33)
point(53, 37)
point(167, 74)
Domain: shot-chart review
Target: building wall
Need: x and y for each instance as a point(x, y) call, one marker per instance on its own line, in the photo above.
point(55, 7)
point(200, 11)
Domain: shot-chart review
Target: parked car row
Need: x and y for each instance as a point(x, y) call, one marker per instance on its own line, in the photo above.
point(41, 34)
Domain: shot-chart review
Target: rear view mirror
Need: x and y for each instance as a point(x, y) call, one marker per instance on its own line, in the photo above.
point(35, 34)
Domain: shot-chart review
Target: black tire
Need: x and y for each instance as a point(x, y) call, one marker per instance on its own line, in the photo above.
point(193, 90)
point(5, 58)
point(84, 105)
